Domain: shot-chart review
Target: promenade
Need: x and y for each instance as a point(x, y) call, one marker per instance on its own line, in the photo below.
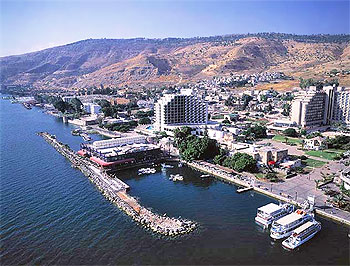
point(294, 190)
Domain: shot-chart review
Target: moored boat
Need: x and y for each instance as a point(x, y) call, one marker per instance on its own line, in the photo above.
point(284, 226)
point(271, 212)
point(146, 171)
point(302, 234)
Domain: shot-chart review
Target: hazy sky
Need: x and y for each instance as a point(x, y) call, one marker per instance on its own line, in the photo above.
point(32, 25)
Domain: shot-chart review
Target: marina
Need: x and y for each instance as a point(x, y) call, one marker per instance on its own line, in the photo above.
point(115, 191)
point(48, 200)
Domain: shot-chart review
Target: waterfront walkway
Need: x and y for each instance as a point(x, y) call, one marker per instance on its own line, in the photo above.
point(294, 190)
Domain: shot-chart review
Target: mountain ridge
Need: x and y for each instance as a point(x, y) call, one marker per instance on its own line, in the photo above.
point(153, 62)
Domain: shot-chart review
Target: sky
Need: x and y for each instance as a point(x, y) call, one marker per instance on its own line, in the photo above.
point(32, 25)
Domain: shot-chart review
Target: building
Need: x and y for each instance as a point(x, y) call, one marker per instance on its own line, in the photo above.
point(121, 152)
point(265, 154)
point(84, 121)
point(100, 144)
point(308, 108)
point(315, 107)
point(92, 108)
point(341, 106)
point(175, 110)
point(345, 178)
point(317, 143)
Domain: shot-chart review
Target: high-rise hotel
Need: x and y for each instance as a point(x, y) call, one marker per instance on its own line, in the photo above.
point(184, 109)
point(315, 107)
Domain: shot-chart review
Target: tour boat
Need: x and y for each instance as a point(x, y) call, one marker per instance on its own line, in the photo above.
point(271, 212)
point(302, 234)
point(284, 226)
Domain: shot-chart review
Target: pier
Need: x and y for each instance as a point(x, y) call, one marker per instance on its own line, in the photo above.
point(115, 190)
point(241, 190)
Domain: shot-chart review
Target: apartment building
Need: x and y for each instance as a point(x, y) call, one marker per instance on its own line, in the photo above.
point(184, 109)
point(315, 107)
point(341, 106)
point(308, 107)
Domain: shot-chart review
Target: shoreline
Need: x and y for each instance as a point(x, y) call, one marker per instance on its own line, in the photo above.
point(115, 191)
point(235, 181)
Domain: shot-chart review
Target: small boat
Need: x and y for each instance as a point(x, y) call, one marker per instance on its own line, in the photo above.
point(205, 176)
point(176, 177)
point(284, 226)
point(180, 164)
point(266, 214)
point(167, 165)
point(302, 234)
point(146, 171)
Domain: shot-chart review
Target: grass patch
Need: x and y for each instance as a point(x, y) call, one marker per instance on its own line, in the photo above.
point(313, 163)
point(328, 155)
point(259, 175)
point(281, 138)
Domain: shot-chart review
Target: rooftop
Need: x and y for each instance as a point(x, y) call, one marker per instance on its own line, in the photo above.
point(289, 218)
point(269, 208)
point(303, 227)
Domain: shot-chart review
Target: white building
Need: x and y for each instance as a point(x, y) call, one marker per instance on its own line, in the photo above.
point(102, 144)
point(92, 108)
point(185, 109)
point(318, 107)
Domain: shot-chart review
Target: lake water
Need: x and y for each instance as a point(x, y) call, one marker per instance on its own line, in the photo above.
point(52, 214)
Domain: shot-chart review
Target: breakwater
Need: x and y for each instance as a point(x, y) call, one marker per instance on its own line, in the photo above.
point(115, 191)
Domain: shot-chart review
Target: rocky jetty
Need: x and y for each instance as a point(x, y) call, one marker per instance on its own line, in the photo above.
point(116, 193)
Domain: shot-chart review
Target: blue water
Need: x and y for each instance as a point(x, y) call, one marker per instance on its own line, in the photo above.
point(52, 214)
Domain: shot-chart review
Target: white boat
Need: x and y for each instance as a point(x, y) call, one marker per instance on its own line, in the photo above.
point(302, 234)
point(176, 177)
point(284, 226)
point(266, 214)
point(146, 171)
point(204, 176)
point(167, 165)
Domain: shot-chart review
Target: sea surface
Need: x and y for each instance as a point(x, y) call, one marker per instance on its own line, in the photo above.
point(52, 214)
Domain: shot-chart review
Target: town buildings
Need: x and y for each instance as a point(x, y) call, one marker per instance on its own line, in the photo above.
point(316, 107)
point(316, 143)
point(184, 109)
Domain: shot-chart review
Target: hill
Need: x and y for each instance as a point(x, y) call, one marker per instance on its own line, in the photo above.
point(152, 62)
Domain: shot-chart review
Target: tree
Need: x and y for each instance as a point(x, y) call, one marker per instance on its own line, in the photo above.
point(145, 121)
point(76, 104)
point(103, 103)
point(62, 106)
point(290, 132)
point(226, 121)
point(286, 109)
point(256, 131)
point(244, 162)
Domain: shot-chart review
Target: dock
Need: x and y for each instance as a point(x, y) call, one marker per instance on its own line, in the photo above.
point(115, 189)
point(244, 182)
point(241, 190)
